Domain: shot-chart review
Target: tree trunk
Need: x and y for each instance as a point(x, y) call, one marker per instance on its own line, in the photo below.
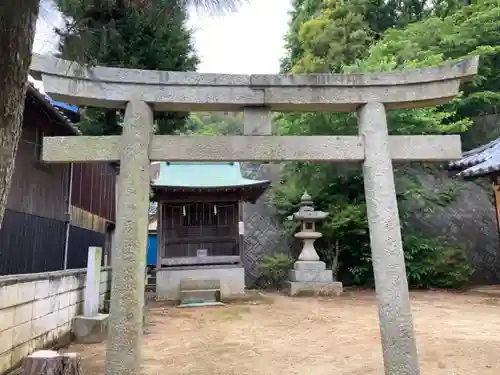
point(72, 364)
point(17, 31)
point(43, 362)
point(50, 362)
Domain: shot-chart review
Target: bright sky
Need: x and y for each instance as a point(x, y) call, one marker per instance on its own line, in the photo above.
point(248, 41)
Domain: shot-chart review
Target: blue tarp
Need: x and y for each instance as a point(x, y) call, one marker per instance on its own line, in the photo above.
point(68, 107)
point(152, 250)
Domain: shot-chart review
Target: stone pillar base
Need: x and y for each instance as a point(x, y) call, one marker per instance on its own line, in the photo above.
point(311, 278)
point(91, 330)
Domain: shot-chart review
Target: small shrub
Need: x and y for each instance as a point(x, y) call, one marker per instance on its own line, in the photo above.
point(452, 269)
point(429, 264)
point(274, 269)
point(420, 254)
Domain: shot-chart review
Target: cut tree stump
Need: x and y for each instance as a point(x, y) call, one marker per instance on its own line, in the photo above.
point(72, 364)
point(50, 362)
point(43, 362)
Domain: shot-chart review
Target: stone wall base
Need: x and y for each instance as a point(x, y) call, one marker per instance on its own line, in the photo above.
point(168, 280)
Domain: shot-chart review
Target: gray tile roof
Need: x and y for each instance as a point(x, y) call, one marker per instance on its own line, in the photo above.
point(480, 161)
point(153, 207)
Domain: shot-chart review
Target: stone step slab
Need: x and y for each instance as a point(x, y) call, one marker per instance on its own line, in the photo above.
point(200, 304)
point(201, 295)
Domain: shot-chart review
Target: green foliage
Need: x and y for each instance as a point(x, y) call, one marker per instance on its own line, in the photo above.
point(274, 269)
point(446, 196)
point(121, 34)
point(428, 265)
point(371, 36)
point(472, 30)
point(451, 269)
point(214, 123)
point(336, 37)
point(373, 17)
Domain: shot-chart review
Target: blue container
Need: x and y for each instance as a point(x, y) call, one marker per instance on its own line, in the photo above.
point(152, 250)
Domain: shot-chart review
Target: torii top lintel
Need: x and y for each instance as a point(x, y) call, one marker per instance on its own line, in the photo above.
point(189, 91)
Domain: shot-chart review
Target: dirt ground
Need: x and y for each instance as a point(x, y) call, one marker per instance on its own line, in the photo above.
point(457, 334)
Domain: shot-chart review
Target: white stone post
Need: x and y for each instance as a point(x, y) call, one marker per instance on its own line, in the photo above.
point(91, 327)
point(124, 347)
point(92, 282)
point(396, 322)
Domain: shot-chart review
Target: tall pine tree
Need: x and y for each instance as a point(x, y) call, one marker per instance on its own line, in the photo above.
point(153, 36)
point(17, 31)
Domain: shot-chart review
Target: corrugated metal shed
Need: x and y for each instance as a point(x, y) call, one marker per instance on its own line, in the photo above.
point(93, 187)
point(480, 161)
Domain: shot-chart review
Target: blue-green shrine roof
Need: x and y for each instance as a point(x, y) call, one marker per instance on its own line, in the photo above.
point(206, 175)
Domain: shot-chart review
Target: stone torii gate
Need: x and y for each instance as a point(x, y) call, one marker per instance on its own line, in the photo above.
point(141, 92)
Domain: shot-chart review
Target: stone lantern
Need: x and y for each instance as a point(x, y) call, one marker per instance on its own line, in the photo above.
point(308, 217)
point(309, 274)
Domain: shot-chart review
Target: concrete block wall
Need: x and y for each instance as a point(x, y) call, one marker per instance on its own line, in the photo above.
point(36, 310)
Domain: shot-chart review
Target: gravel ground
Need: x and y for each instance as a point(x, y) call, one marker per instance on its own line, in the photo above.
point(457, 334)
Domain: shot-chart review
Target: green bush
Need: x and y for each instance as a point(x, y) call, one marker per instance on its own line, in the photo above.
point(429, 264)
point(345, 245)
point(274, 269)
point(451, 269)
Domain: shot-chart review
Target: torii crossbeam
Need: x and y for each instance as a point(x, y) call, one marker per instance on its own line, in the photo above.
point(140, 92)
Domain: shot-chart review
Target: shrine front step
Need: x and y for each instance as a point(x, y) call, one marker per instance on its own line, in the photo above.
point(199, 291)
point(200, 295)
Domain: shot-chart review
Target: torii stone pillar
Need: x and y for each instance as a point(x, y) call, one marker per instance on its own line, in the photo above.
point(396, 322)
point(124, 354)
point(368, 94)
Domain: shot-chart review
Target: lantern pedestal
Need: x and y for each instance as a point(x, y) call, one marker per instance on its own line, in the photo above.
point(308, 252)
point(311, 278)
